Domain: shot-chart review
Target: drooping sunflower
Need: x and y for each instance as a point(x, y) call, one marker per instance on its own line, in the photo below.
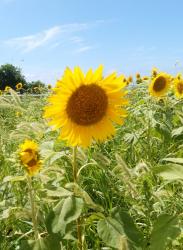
point(160, 85)
point(178, 87)
point(86, 106)
point(19, 86)
point(29, 157)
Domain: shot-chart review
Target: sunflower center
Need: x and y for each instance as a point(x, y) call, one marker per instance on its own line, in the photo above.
point(180, 88)
point(32, 163)
point(87, 105)
point(159, 84)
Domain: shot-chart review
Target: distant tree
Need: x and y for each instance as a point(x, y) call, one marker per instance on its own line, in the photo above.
point(10, 76)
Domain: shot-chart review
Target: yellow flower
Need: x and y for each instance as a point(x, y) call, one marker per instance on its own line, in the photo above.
point(178, 88)
point(18, 114)
point(179, 76)
point(160, 85)
point(145, 78)
point(138, 76)
point(29, 156)
point(154, 72)
point(130, 79)
point(7, 88)
point(19, 86)
point(86, 106)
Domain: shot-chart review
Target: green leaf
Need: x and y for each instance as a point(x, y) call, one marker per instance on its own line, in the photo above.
point(112, 233)
point(59, 192)
point(170, 172)
point(13, 178)
point(130, 229)
point(165, 229)
point(70, 211)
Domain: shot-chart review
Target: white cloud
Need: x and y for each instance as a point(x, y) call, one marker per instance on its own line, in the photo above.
point(31, 42)
point(28, 43)
point(53, 37)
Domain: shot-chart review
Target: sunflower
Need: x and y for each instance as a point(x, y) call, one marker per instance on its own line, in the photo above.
point(130, 79)
point(7, 89)
point(179, 76)
point(178, 87)
point(29, 156)
point(138, 76)
point(145, 78)
point(85, 106)
point(19, 86)
point(160, 85)
point(154, 72)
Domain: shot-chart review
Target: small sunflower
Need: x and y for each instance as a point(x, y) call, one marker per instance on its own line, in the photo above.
point(160, 85)
point(7, 89)
point(138, 76)
point(178, 76)
point(86, 106)
point(19, 86)
point(130, 79)
point(145, 78)
point(178, 87)
point(29, 156)
point(154, 72)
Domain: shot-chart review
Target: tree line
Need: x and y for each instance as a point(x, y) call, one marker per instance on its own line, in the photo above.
point(10, 76)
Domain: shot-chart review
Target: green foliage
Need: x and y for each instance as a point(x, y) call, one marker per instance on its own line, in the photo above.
point(165, 229)
point(129, 190)
point(36, 87)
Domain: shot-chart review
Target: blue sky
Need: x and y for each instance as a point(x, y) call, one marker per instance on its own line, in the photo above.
point(43, 36)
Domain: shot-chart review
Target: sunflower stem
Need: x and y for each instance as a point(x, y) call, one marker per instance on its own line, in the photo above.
point(78, 221)
point(33, 209)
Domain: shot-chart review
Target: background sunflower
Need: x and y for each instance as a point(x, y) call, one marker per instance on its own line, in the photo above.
point(178, 87)
point(159, 85)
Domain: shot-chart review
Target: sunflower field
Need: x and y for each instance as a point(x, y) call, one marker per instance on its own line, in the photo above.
point(94, 163)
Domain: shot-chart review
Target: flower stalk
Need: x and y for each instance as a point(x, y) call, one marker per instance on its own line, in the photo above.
point(33, 208)
point(75, 178)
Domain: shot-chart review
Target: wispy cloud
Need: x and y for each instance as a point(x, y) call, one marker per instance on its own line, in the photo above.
point(31, 42)
point(61, 35)
point(84, 49)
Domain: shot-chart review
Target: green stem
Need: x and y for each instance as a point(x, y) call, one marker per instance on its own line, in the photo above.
point(33, 209)
point(78, 221)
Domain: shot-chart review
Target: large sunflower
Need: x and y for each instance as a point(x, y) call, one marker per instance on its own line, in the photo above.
point(159, 85)
point(29, 156)
point(178, 87)
point(85, 106)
